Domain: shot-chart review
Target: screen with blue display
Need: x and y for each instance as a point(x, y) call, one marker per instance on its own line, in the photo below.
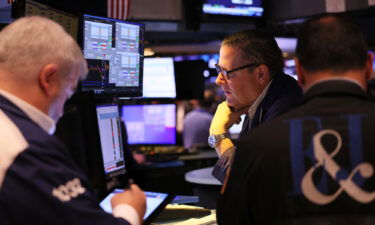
point(150, 124)
point(153, 201)
point(250, 8)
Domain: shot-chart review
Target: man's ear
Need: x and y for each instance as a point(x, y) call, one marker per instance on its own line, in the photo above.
point(300, 73)
point(47, 78)
point(263, 74)
point(369, 66)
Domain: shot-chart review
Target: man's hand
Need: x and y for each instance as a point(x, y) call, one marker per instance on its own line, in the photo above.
point(224, 118)
point(134, 197)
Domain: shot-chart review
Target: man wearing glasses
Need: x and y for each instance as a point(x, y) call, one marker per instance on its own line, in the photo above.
point(250, 72)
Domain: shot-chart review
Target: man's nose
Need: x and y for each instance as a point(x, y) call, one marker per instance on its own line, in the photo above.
point(220, 80)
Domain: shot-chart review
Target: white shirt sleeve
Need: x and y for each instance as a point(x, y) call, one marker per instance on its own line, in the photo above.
point(126, 212)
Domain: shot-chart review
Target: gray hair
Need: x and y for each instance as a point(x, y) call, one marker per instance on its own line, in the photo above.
point(30, 43)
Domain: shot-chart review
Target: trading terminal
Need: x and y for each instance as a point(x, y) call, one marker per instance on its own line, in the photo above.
point(126, 120)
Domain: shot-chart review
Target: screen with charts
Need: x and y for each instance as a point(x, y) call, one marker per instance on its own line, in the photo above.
point(111, 139)
point(158, 78)
point(249, 8)
point(150, 124)
point(114, 53)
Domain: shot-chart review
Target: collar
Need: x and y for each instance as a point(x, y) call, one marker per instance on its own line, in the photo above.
point(333, 79)
point(258, 100)
point(338, 87)
point(40, 118)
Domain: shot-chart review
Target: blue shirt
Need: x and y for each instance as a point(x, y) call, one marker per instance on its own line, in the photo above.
point(196, 128)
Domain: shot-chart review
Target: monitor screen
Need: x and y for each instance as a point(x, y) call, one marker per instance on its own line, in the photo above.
point(114, 53)
point(155, 203)
point(150, 124)
point(250, 8)
point(111, 140)
point(158, 78)
point(68, 21)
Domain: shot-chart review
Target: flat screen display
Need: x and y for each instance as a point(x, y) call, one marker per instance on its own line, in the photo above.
point(150, 124)
point(159, 78)
point(249, 8)
point(114, 52)
point(155, 203)
point(111, 139)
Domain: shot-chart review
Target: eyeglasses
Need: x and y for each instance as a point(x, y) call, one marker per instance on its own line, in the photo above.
point(226, 73)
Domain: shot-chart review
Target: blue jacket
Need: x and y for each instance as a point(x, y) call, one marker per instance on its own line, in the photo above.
point(41, 185)
point(282, 95)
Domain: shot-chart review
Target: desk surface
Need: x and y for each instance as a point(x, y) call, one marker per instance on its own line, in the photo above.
point(201, 176)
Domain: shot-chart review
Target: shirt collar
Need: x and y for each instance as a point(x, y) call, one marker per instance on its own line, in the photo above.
point(257, 101)
point(40, 118)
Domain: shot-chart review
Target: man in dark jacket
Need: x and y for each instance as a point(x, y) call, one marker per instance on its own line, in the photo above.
point(40, 65)
point(251, 74)
point(315, 163)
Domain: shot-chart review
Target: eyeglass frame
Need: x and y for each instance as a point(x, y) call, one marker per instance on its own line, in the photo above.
point(226, 73)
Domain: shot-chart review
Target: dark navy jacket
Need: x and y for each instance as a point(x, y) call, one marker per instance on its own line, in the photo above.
point(282, 95)
point(41, 185)
point(312, 165)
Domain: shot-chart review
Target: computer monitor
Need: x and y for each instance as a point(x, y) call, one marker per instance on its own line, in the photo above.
point(150, 124)
point(111, 140)
point(158, 78)
point(247, 8)
point(114, 53)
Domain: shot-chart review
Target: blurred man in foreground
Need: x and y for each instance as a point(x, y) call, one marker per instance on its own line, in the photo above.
point(40, 65)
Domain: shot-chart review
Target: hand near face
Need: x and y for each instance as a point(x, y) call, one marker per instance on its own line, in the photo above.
point(225, 117)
